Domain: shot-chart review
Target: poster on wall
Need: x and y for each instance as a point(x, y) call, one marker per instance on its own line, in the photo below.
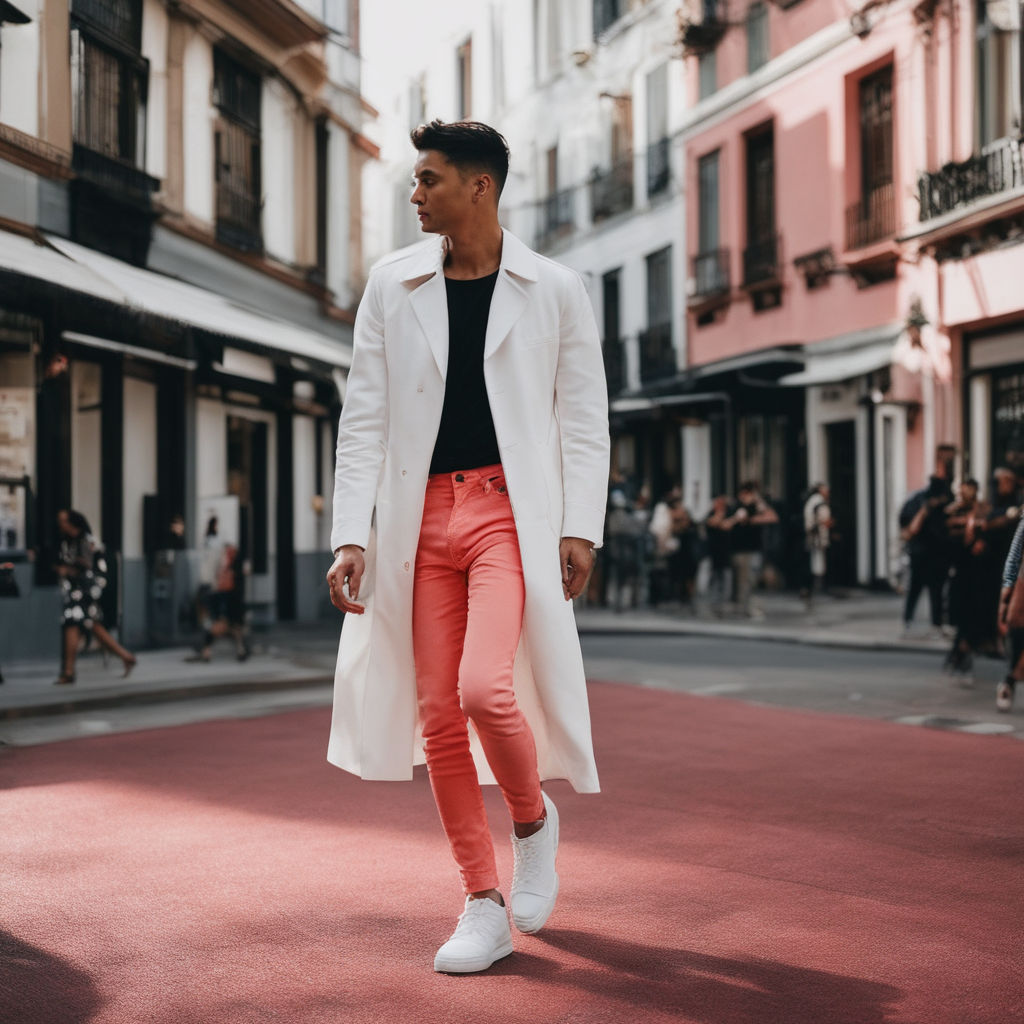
point(17, 454)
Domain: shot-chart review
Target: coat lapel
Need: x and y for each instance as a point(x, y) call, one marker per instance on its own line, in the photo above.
point(511, 297)
point(429, 301)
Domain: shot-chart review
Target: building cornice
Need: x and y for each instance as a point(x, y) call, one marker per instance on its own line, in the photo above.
point(33, 154)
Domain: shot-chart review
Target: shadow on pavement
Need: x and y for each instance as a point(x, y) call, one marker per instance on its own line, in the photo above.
point(713, 988)
point(37, 987)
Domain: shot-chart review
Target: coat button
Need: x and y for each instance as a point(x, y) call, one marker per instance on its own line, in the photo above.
point(420, 388)
point(406, 567)
point(403, 472)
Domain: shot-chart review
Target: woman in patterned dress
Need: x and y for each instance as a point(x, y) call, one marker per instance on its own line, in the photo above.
point(82, 567)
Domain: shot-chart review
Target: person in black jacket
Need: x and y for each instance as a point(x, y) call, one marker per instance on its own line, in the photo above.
point(923, 526)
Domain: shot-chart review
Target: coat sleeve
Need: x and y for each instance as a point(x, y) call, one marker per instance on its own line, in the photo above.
point(361, 431)
point(581, 399)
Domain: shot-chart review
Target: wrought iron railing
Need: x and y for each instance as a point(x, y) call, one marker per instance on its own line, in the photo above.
point(710, 272)
point(657, 354)
point(115, 177)
point(998, 168)
point(761, 260)
point(611, 190)
point(658, 171)
point(871, 218)
point(120, 19)
point(556, 215)
point(614, 365)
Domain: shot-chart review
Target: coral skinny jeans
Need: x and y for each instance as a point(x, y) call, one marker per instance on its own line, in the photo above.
point(467, 616)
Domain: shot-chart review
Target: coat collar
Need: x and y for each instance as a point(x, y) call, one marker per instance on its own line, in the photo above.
point(429, 297)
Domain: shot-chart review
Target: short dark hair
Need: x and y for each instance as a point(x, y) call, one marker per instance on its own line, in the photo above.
point(468, 145)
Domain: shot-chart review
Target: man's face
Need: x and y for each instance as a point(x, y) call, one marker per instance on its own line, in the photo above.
point(1006, 484)
point(968, 493)
point(441, 194)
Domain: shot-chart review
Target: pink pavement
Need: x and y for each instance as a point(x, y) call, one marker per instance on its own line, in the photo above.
point(744, 865)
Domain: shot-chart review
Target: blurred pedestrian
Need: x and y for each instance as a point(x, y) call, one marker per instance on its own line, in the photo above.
point(968, 611)
point(1011, 619)
point(923, 529)
point(82, 567)
point(624, 551)
point(746, 522)
point(716, 536)
point(226, 608)
point(818, 523)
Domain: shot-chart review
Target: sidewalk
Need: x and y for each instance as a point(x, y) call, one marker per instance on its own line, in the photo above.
point(291, 656)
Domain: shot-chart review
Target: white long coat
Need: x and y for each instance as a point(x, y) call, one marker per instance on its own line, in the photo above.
point(545, 383)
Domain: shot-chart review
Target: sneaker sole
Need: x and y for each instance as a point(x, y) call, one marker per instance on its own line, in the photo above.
point(472, 966)
point(534, 924)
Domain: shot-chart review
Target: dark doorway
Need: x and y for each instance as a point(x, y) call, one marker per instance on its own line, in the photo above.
point(247, 478)
point(841, 448)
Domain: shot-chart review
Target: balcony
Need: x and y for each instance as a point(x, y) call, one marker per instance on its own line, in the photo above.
point(116, 178)
point(611, 190)
point(657, 354)
point(998, 168)
point(614, 365)
point(702, 23)
point(710, 272)
point(761, 262)
point(872, 218)
point(658, 170)
point(556, 217)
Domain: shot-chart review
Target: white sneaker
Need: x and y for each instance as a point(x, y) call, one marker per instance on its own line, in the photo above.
point(481, 937)
point(534, 879)
point(1004, 695)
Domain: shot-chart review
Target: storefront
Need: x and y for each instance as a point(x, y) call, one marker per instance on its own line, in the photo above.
point(136, 398)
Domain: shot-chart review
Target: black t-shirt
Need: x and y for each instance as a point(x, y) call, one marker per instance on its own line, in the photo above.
point(465, 438)
point(745, 535)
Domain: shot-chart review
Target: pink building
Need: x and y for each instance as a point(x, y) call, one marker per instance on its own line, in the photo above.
point(855, 295)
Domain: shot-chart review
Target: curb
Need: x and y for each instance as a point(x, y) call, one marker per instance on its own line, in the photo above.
point(165, 695)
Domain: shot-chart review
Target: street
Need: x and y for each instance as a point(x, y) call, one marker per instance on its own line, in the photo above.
point(747, 862)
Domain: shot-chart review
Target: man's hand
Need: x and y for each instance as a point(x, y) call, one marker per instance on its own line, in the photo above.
point(348, 567)
point(1004, 608)
point(577, 557)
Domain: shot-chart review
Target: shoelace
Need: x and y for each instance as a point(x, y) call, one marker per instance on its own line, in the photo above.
point(473, 920)
point(525, 857)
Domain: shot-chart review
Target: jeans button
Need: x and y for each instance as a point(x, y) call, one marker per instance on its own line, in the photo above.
point(459, 478)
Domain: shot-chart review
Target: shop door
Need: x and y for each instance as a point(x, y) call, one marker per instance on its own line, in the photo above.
point(841, 445)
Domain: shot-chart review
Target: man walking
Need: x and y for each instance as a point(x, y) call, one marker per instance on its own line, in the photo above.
point(471, 481)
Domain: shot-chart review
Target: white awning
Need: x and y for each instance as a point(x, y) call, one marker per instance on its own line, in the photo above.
point(168, 297)
point(23, 256)
point(846, 357)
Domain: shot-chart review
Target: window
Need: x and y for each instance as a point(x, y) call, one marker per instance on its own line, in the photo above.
point(760, 258)
point(707, 74)
point(606, 13)
point(464, 79)
point(873, 216)
point(657, 130)
point(417, 102)
point(711, 264)
point(757, 37)
point(237, 153)
point(109, 80)
point(659, 287)
point(323, 140)
point(707, 202)
point(614, 368)
point(657, 355)
point(998, 63)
